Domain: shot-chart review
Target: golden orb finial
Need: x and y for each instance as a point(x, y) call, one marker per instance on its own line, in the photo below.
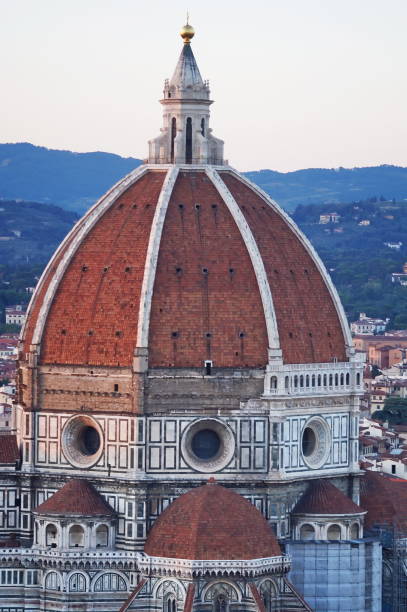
point(187, 32)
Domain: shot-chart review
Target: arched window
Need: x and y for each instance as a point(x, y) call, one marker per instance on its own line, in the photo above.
point(287, 383)
point(110, 582)
point(301, 381)
point(342, 379)
point(188, 141)
point(358, 379)
point(273, 382)
point(51, 536)
point(295, 381)
point(354, 532)
point(77, 583)
point(307, 532)
point(268, 595)
point(307, 381)
point(347, 379)
point(336, 380)
point(203, 126)
point(319, 380)
point(313, 381)
point(170, 605)
point(330, 380)
point(325, 379)
point(173, 135)
point(52, 582)
point(76, 537)
point(102, 536)
point(221, 603)
point(334, 532)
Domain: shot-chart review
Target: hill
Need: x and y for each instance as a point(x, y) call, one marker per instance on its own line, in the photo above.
point(30, 231)
point(356, 251)
point(75, 180)
point(323, 185)
point(72, 180)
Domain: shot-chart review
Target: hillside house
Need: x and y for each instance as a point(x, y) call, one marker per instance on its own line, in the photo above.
point(368, 325)
point(326, 218)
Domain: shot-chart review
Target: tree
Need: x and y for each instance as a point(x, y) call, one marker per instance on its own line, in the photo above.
point(394, 411)
point(375, 371)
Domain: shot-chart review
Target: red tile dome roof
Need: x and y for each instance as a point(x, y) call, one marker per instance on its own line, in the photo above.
point(77, 497)
point(211, 522)
point(322, 497)
point(218, 273)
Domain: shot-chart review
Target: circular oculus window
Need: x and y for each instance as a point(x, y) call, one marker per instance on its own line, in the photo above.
point(207, 445)
point(315, 442)
point(82, 441)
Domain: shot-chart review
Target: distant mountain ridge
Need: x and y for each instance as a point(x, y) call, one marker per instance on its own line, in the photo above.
point(332, 185)
point(75, 180)
point(71, 180)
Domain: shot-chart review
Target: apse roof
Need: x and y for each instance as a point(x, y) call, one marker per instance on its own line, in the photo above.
point(322, 497)
point(211, 522)
point(77, 497)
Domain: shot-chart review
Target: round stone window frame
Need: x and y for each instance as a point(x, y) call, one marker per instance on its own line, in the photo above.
point(70, 441)
point(226, 450)
point(323, 438)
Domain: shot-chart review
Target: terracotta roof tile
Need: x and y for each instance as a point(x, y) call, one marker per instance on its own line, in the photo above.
point(189, 599)
point(385, 499)
point(257, 597)
point(133, 595)
point(308, 324)
point(322, 497)
point(8, 448)
point(206, 302)
point(211, 522)
point(76, 497)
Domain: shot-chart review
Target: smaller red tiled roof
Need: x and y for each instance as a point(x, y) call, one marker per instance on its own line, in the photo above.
point(77, 497)
point(322, 497)
point(385, 500)
point(8, 449)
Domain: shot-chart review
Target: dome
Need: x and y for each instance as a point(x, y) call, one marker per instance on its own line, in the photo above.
point(186, 261)
point(322, 497)
point(191, 263)
point(211, 522)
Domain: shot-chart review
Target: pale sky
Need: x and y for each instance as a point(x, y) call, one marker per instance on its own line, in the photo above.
point(296, 83)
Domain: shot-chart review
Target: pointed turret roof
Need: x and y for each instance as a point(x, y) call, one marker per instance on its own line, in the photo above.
point(322, 497)
point(77, 497)
point(186, 73)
